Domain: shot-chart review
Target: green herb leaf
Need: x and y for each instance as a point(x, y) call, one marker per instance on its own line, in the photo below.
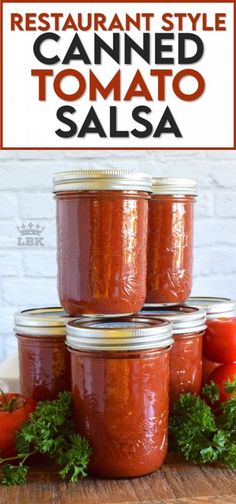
point(14, 475)
point(47, 425)
point(220, 440)
point(76, 458)
point(227, 419)
point(193, 426)
point(211, 391)
point(229, 457)
point(230, 386)
point(50, 430)
point(203, 434)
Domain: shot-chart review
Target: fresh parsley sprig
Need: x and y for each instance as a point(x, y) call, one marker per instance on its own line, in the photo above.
point(204, 434)
point(49, 430)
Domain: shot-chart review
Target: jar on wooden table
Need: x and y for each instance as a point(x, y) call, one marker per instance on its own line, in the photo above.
point(120, 387)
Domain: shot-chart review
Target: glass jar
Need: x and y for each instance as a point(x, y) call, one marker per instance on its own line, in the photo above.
point(44, 362)
point(170, 240)
point(121, 404)
point(219, 342)
point(186, 352)
point(102, 219)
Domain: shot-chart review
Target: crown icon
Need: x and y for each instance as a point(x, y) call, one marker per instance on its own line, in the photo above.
point(30, 229)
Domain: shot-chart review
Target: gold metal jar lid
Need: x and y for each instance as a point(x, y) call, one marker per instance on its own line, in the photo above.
point(42, 322)
point(102, 180)
point(215, 307)
point(174, 186)
point(128, 333)
point(184, 319)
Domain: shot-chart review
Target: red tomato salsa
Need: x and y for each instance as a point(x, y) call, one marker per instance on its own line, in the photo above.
point(185, 365)
point(170, 241)
point(186, 351)
point(44, 362)
point(102, 238)
point(121, 404)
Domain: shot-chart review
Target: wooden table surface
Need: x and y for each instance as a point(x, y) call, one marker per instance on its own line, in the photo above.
point(176, 482)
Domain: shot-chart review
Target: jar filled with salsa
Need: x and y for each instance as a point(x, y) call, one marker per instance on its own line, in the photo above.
point(44, 361)
point(186, 352)
point(102, 219)
point(170, 240)
point(121, 404)
point(219, 342)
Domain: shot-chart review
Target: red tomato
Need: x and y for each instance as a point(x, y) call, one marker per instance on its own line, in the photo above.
point(14, 409)
point(207, 368)
point(222, 374)
point(219, 342)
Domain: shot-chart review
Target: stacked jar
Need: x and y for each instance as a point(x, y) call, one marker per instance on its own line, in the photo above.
point(117, 247)
point(170, 241)
point(120, 404)
point(102, 220)
point(44, 362)
point(169, 279)
point(186, 353)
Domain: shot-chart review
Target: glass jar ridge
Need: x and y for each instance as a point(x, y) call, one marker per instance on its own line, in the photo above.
point(44, 364)
point(102, 241)
point(170, 245)
point(188, 324)
point(120, 403)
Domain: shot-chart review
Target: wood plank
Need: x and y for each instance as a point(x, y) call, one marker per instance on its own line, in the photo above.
point(175, 483)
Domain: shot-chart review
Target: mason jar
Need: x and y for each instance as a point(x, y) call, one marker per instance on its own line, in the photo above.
point(102, 219)
point(188, 325)
point(120, 388)
point(170, 240)
point(44, 363)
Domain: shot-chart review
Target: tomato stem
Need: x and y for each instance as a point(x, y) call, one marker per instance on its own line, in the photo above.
point(3, 395)
point(10, 404)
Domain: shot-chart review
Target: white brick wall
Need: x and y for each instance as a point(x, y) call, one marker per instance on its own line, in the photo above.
point(28, 276)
